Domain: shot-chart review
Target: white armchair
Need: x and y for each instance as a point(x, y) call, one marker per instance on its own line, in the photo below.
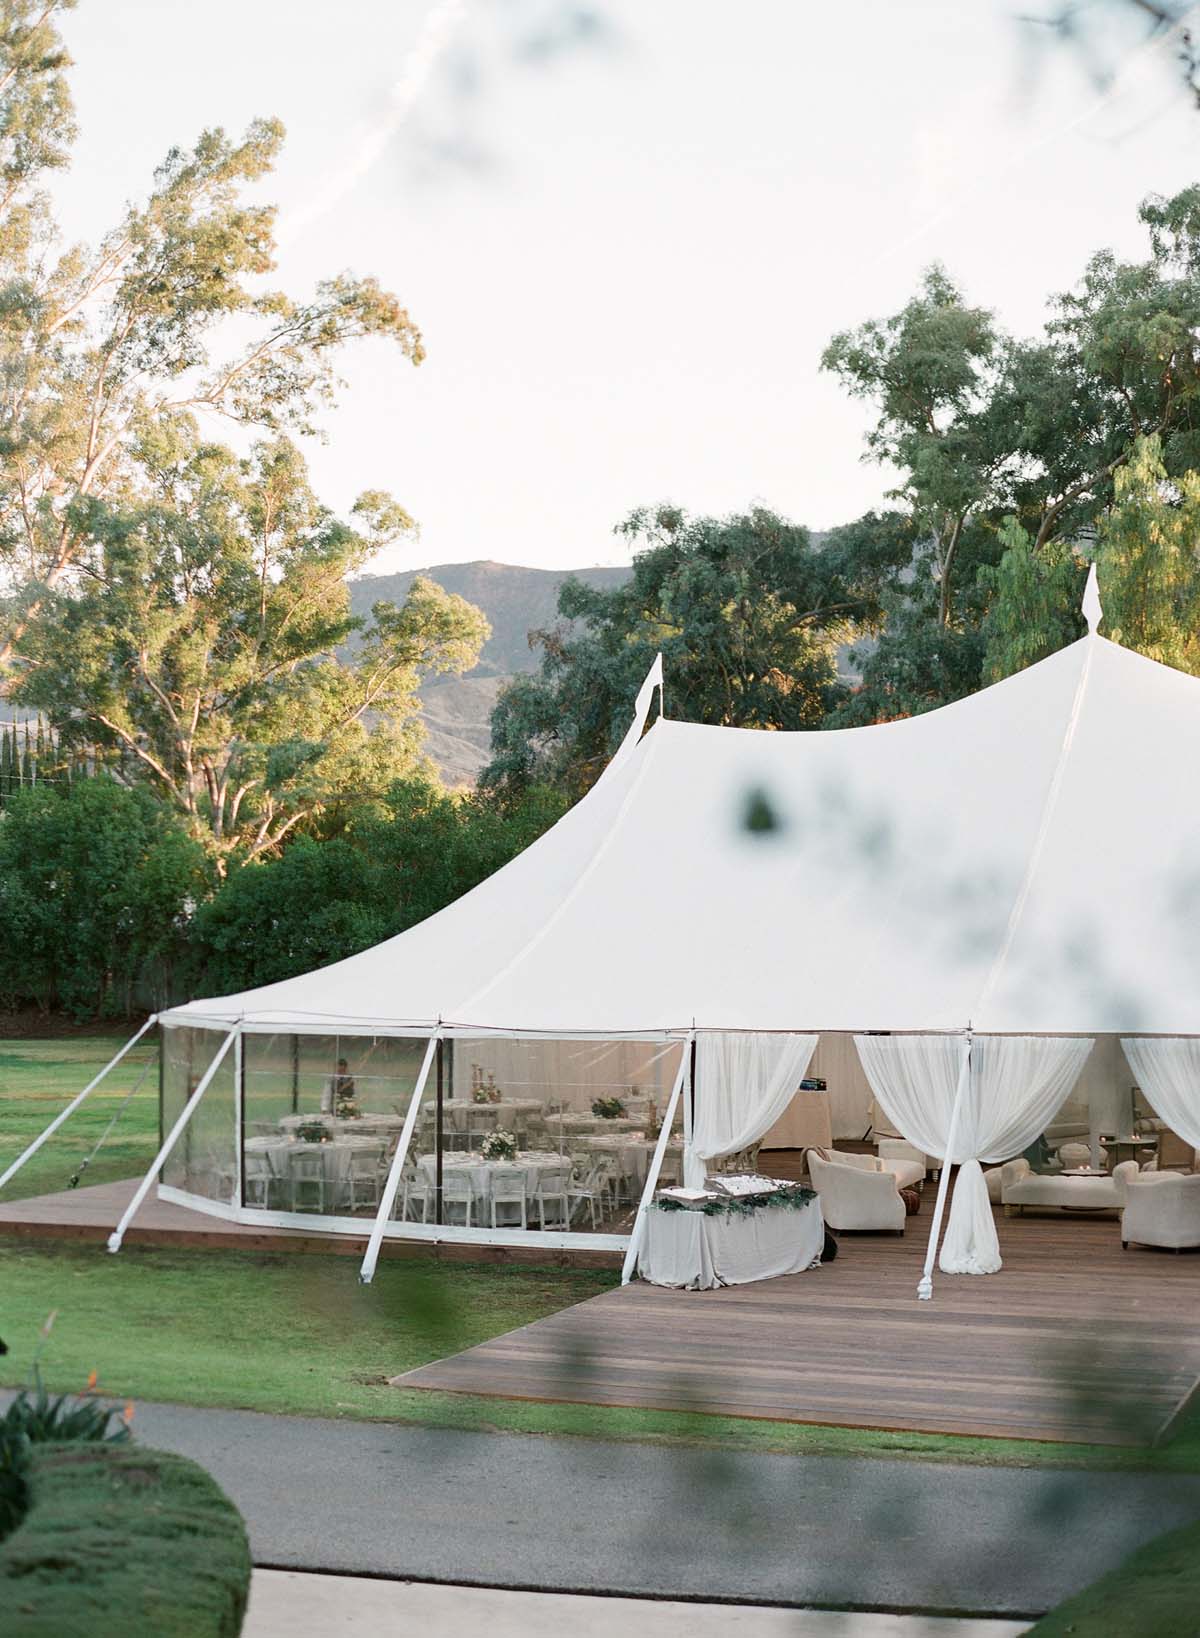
point(1162, 1209)
point(856, 1195)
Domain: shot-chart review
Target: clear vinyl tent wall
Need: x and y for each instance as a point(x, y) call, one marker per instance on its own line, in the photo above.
point(516, 1139)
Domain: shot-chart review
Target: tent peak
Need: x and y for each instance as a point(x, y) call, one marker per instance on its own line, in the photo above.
point(1093, 612)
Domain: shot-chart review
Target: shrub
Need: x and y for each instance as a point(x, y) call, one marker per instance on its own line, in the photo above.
point(119, 1540)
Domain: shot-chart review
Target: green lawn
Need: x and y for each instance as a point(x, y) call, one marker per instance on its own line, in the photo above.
point(38, 1078)
point(298, 1334)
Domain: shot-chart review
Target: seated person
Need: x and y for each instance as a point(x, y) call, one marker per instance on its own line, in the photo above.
point(339, 1089)
point(1041, 1157)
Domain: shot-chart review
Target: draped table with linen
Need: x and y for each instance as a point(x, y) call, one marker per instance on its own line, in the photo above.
point(480, 1171)
point(335, 1154)
point(692, 1250)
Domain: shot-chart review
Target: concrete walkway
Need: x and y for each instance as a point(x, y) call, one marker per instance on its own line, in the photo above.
point(577, 1515)
point(287, 1604)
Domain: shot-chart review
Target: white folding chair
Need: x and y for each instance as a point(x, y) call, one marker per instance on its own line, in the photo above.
point(306, 1176)
point(552, 1192)
point(362, 1177)
point(589, 1188)
point(509, 1189)
point(457, 1191)
point(260, 1179)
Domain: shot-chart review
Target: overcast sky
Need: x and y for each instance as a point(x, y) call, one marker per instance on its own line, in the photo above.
point(627, 244)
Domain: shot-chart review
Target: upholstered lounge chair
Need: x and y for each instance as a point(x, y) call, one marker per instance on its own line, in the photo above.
point(854, 1196)
point(1162, 1209)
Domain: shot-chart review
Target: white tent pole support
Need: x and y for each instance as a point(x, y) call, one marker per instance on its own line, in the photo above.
point(239, 1118)
point(169, 1142)
point(660, 1149)
point(925, 1288)
point(76, 1101)
point(367, 1272)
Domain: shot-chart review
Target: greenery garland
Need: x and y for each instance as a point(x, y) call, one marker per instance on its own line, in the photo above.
point(792, 1197)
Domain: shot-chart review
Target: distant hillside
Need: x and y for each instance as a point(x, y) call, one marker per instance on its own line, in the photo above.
point(516, 601)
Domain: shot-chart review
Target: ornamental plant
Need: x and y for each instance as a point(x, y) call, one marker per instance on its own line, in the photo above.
point(608, 1108)
point(499, 1145)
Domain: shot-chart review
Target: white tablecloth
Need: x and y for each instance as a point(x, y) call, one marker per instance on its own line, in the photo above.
point(686, 1248)
point(335, 1155)
point(480, 1171)
point(590, 1125)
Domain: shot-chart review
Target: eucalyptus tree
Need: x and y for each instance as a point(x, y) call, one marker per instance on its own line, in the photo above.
point(749, 613)
point(212, 642)
point(106, 348)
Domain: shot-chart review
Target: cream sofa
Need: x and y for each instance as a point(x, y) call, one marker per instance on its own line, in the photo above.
point(1162, 1209)
point(1021, 1186)
point(855, 1193)
point(900, 1149)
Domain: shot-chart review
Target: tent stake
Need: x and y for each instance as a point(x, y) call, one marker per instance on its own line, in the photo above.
point(168, 1143)
point(367, 1272)
point(925, 1287)
point(76, 1101)
point(687, 1061)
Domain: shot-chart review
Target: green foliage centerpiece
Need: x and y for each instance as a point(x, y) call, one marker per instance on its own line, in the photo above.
point(608, 1108)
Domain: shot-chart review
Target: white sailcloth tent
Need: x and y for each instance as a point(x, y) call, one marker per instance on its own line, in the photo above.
point(1021, 865)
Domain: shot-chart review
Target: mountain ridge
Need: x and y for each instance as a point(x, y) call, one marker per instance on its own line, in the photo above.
point(516, 601)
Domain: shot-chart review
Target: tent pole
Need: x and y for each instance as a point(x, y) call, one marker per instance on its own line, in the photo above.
point(168, 1143)
point(75, 1102)
point(239, 1099)
point(925, 1287)
point(367, 1272)
point(686, 1063)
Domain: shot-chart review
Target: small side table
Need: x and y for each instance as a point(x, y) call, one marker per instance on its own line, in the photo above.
point(1117, 1149)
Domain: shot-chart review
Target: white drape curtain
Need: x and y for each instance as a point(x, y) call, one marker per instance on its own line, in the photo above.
point(744, 1082)
point(1016, 1083)
point(1168, 1072)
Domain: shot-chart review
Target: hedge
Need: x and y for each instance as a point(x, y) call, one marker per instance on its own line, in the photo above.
point(123, 1542)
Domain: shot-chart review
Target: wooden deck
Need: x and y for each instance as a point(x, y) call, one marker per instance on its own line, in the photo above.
point(1074, 1340)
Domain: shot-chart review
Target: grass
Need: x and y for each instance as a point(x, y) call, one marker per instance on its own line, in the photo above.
point(1153, 1594)
point(299, 1335)
point(37, 1080)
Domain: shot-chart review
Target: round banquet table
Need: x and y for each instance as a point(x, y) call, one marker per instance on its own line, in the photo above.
point(590, 1125)
point(335, 1154)
point(534, 1163)
point(688, 1249)
point(506, 1114)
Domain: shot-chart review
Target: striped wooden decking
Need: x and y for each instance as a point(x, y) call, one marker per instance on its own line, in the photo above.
point(1074, 1340)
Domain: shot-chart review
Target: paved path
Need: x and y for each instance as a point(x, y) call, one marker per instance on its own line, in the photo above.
point(513, 1510)
point(288, 1604)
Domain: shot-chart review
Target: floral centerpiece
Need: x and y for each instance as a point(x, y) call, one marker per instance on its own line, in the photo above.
point(499, 1145)
point(487, 1094)
point(313, 1131)
point(608, 1108)
point(345, 1108)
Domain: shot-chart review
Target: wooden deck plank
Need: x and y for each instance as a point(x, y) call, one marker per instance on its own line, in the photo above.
point(1074, 1340)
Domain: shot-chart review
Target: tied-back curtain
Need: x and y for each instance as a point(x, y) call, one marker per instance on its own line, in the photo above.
point(1168, 1072)
point(743, 1085)
point(1016, 1085)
